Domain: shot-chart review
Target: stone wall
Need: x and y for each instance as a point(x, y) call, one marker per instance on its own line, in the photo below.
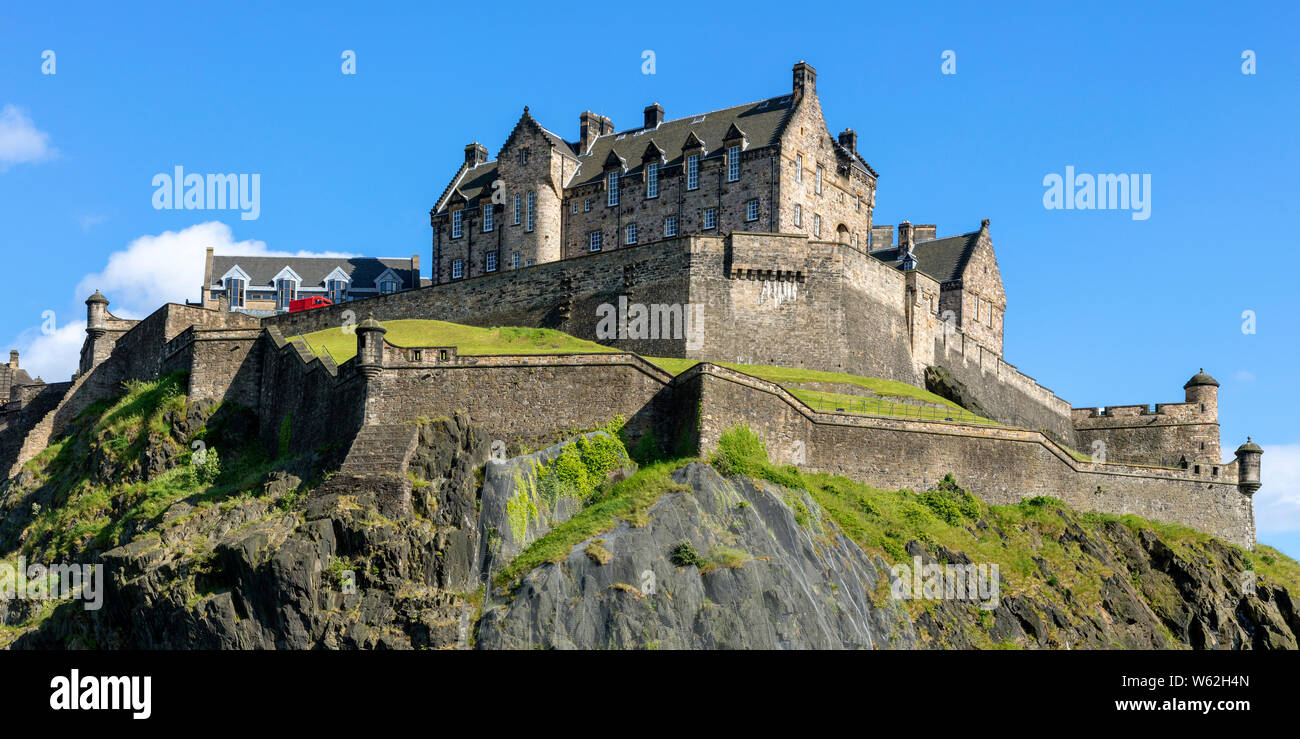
point(1010, 395)
point(1170, 435)
point(525, 400)
point(1000, 465)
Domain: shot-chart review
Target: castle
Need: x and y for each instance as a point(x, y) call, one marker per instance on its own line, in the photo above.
point(748, 232)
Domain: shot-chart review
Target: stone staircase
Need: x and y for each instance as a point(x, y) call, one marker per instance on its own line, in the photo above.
point(39, 436)
point(376, 467)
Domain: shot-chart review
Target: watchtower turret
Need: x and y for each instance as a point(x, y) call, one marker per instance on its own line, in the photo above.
point(370, 346)
point(1248, 458)
point(1203, 390)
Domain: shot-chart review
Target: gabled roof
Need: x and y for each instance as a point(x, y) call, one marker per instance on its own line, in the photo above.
point(943, 259)
point(362, 271)
point(762, 122)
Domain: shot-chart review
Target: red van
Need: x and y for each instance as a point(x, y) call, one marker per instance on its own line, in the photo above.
point(308, 303)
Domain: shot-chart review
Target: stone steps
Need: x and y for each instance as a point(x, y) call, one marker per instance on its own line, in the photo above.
point(376, 467)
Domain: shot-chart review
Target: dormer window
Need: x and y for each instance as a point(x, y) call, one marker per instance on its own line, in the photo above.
point(286, 291)
point(235, 292)
point(611, 189)
point(693, 172)
point(652, 180)
point(487, 218)
point(457, 223)
point(733, 163)
point(336, 290)
point(388, 286)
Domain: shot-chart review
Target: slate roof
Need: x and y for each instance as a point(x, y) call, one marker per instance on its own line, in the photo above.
point(943, 259)
point(762, 123)
point(363, 271)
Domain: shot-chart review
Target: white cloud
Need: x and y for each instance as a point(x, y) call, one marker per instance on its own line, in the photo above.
point(20, 141)
point(150, 271)
point(1243, 376)
point(54, 356)
point(1277, 504)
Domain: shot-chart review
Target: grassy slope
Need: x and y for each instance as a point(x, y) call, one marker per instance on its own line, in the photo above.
point(471, 340)
point(883, 521)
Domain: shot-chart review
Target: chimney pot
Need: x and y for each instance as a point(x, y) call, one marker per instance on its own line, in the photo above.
point(475, 154)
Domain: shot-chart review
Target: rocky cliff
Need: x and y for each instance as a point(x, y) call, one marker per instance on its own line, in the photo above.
point(580, 546)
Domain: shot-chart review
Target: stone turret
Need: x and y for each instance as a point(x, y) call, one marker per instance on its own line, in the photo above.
point(96, 315)
point(370, 346)
point(1248, 458)
point(1204, 390)
point(97, 346)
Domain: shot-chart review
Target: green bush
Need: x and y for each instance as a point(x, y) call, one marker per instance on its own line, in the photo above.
point(209, 469)
point(741, 452)
point(684, 555)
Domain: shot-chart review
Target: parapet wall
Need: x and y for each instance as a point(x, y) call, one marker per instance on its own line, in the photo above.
point(1010, 395)
point(1172, 435)
point(1001, 465)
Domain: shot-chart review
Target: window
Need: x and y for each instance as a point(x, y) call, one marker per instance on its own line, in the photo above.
point(798, 168)
point(518, 200)
point(733, 163)
point(388, 286)
point(593, 241)
point(629, 234)
point(670, 226)
point(817, 225)
point(819, 180)
point(652, 180)
point(977, 308)
point(693, 172)
point(487, 218)
point(490, 262)
point(710, 217)
point(611, 188)
point(457, 220)
point(235, 292)
point(575, 207)
point(586, 205)
point(457, 269)
point(532, 211)
point(798, 216)
point(286, 291)
point(523, 156)
point(751, 210)
point(514, 261)
point(857, 203)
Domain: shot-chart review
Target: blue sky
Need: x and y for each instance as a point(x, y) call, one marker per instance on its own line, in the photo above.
point(1102, 308)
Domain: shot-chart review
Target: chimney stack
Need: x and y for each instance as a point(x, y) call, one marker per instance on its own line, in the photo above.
point(849, 140)
point(654, 115)
point(13, 359)
point(475, 154)
point(905, 235)
point(805, 78)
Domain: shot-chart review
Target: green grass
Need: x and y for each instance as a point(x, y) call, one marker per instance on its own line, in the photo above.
point(784, 376)
point(468, 340)
point(627, 500)
point(827, 401)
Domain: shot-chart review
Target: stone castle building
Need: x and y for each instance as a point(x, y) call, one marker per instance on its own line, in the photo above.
point(754, 221)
